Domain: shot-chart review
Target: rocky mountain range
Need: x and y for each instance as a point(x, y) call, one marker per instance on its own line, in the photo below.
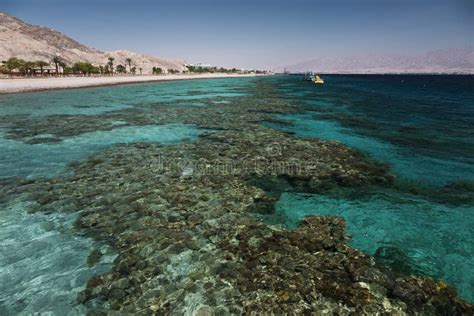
point(451, 60)
point(22, 40)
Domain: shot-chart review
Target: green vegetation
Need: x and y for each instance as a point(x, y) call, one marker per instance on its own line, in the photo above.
point(121, 69)
point(84, 68)
point(28, 67)
point(41, 64)
point(111, 65)
point(22, 67)
point(57, 60)
point(157, 70)
point(17, 66)
point(199, 69)
point(13, 64)
point(68, 70)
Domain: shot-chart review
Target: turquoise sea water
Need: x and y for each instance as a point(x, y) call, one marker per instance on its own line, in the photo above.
point(47, 160)
point(93, 101)
point(423, 127)
point(43, 263)
point(43, 267)
point(18, 159)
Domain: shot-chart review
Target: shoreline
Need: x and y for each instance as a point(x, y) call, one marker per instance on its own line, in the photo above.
point(12, 85)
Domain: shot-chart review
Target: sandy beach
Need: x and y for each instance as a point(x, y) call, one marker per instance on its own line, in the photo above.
point(39, 84)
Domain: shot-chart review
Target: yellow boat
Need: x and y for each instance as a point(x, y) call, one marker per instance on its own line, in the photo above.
point(317, 79)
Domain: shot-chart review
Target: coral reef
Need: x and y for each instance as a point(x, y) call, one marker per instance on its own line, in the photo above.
point(181, 218)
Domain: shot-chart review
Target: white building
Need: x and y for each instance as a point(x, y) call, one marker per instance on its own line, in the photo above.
point(199, 65)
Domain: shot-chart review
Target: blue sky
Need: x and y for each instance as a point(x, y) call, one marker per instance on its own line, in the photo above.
point(264, 34)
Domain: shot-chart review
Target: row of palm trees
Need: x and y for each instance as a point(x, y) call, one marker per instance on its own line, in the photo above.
point(27, 68)
point(121, 69)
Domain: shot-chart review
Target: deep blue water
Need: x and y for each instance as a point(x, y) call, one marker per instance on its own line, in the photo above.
point(423, 127)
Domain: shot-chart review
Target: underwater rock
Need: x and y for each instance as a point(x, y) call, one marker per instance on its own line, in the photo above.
point(466, 186)
point(394, 258)
point(43, 140)
point(94, 257)
point(189, 242)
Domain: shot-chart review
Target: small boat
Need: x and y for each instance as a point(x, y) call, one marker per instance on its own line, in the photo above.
point(317, 79)
point(308, 76)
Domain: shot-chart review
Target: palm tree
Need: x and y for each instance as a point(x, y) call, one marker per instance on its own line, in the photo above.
point(129, 62)
point(140, 70)
point(28, 67)
point(41, 64)
point(157, 70)
point(111, 64)
point(63, 65)
point(56, 61)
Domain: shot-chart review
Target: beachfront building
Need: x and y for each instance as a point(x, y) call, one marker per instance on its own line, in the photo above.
point(48, 70)
point(198, 65)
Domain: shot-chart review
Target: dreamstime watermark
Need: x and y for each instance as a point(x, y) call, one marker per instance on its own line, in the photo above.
point(272, 161)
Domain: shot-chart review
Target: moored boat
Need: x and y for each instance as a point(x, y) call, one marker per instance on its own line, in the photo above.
point(317, 79)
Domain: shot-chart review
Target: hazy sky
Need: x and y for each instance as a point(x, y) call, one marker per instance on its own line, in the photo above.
point(263, 34)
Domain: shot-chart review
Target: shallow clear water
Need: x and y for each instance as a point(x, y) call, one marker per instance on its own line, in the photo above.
point(93, 101)
point(42, 266)
point(423, 127)
point(18, 159)
point(43, 263)
point(436, 238)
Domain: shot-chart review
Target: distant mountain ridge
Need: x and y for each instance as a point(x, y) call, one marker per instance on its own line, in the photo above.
point(450, 60)
point(22, 40)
